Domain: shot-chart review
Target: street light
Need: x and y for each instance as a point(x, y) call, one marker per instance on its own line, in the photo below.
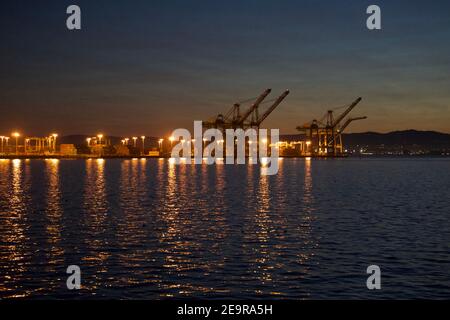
point(100, 136)
point(16, 135)
point(171, 141)
point(54, 135)
point(88, 140)
point(126, 140)
point(134, 141)
point(308, 144)
point(27, 141)
point(3, 138)
point(143, 144)
point(160, 141)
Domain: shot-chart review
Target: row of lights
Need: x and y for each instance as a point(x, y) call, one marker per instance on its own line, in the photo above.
point(17, 135)
point(99, 136)
point(171, 139)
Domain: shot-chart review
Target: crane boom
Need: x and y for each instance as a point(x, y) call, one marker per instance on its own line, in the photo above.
point(272, 107)
point(254, 106)
point(346, 112)
point(350, 120)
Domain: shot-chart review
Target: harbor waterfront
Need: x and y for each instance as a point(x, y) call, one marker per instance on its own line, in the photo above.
point(149, 229)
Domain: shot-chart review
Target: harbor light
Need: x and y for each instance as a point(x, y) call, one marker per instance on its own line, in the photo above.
point(16, 135)
point(54, 136)
point(143, 144)
point(2, 138)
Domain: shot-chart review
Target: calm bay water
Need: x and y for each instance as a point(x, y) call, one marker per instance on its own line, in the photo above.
point(148, 229)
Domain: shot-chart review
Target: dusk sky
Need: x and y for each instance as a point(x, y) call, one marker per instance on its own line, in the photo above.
point(147, 67)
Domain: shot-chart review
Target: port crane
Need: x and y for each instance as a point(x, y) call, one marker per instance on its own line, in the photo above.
point(233, 119)
point(259, 120)
point(326, 138)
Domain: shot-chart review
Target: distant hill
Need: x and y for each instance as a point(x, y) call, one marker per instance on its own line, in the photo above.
point(396, 140)
point(407, 138)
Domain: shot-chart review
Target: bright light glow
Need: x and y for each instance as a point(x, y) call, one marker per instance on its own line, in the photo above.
point(16, 134)
point(142, 137)
point(264, 141)
point(171, 139)
point(264, 161)
point(52, 161)
point(161, 140)
point(54, 135)
point(308, 143)
point(100, 136)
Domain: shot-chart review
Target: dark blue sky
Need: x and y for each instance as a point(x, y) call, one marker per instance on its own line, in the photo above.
point(147, 67)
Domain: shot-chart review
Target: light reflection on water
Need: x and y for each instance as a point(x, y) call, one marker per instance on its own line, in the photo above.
point(151, 229)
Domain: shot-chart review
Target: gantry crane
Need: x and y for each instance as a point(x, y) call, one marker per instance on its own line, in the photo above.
point(326, 138)
point(259, 120)
point(233, 119)
point(338, 136)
